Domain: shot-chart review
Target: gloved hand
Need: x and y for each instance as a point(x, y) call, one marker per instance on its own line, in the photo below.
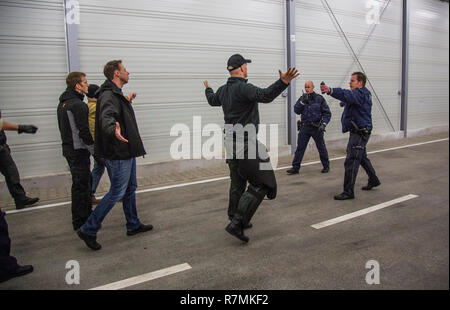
point(322, 127)
point(27, 129)
point(305, 98)
point(299, 124)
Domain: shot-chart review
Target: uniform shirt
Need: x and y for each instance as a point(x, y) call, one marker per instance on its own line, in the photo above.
point(313, 109)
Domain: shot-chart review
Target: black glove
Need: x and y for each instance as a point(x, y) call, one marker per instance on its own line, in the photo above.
point(27, 129)
point(299, 124)
point(322, 128)
point(305, 98)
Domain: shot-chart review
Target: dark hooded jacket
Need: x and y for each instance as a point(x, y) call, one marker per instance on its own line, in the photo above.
point(113, 107)
point(73, 123)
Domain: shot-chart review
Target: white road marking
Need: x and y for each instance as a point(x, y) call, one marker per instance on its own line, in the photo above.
point(363, 211)
point(143, 278)
point(220, 179)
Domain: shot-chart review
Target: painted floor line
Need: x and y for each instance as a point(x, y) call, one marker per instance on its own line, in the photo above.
point(221, 178)
point(363, 212)
point(144, 278)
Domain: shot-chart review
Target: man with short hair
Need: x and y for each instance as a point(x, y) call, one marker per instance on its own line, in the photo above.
point(117, 140)
point(356, 119)
point(8, 167)
point(77, 144)
point(315, 115)
point(239, 101)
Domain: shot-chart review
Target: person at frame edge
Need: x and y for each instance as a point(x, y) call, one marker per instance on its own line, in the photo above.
point(9, 169)
point(9, 268)
point(315, 115)
point(239, 101)
point(356, 119)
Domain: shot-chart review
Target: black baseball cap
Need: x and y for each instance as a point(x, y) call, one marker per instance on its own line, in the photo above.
point(236, 61)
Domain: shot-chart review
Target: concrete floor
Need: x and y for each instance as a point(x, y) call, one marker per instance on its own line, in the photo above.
point(410, 240)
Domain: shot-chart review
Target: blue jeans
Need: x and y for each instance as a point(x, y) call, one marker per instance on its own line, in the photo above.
point(97, 173)
point(305, 133)
point(122, 175)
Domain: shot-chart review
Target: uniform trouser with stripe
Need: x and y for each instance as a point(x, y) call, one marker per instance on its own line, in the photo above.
point(356, 156)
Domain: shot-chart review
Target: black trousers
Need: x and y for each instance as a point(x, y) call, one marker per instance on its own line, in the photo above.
point(9, 169)
point(243, 203)
point(80, 168)
point(356, 156)
point(8, 263)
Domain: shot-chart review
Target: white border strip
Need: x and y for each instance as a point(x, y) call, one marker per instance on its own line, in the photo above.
point(144, 278)
point(363, 211)
point(219, 179)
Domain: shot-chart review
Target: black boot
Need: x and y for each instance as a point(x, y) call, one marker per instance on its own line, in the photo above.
point(371, 185)
point(236, 230)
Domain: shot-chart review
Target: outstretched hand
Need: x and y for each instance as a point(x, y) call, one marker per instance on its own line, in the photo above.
point(206, 84)
point(289, 75)
point(118, 135)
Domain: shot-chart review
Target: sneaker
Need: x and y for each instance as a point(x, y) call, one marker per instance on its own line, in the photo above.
point(90, 241)
point(292, 171)
point(140, 229)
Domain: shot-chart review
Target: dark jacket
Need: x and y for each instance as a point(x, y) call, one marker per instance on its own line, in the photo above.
point(357, 107)
point(113, 107)
point(239, 100)
point(313, 109)
point(73, 123)
point(3, 138)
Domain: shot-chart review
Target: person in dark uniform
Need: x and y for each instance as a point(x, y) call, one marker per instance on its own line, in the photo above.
point(356, 119)
point(315, 115)
point(8, 264)
point(77, 144)
point(9, 169)
point(239, 102)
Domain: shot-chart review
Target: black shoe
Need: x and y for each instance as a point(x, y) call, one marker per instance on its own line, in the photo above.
point(21, 271)
point(325, 170)
point(26, 202)
point(343, 196)
point(140, 229)
point(292, 171)
point(236, 231)
point(90, 241)
point(246, 226)
point(371, 185)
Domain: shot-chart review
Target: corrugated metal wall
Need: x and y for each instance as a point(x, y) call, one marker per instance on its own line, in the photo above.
point(324, 55)
point(33, 68)
point(428, 99)
point(170, 47)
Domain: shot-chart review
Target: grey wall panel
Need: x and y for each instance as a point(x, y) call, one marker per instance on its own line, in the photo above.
point(170, 47)
point(322, 54)
point(428, 100)
point(32, 76)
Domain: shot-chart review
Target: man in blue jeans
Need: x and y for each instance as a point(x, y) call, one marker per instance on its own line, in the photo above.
point(117, 140)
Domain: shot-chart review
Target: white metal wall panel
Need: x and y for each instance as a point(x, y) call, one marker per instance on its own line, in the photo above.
point(170, 47)
point(428, 99)
point(33, 67)
point(322, 54)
